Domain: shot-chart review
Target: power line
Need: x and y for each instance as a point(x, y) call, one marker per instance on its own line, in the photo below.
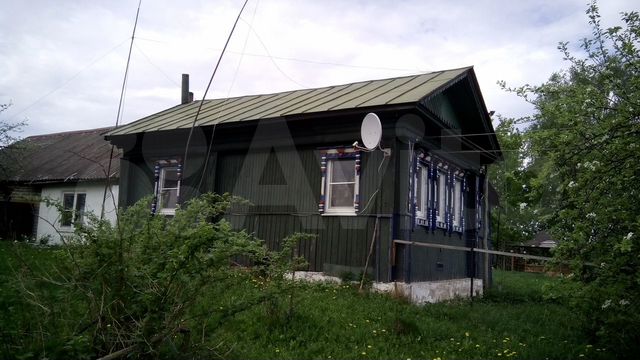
point(271, 57)
point(120, 106)
point(66, 82)
point(213, 74)
point(224, 103)
point(317, 62)
point(156, 66)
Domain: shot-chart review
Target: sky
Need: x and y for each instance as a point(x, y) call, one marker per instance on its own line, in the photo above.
point(62, 63)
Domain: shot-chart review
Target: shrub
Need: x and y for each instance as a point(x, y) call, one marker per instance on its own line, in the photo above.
point(139, 281)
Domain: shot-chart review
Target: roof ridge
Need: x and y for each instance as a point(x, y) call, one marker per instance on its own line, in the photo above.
point(336, 85)
point(72, 132)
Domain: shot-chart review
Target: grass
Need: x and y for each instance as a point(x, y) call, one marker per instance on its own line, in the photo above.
point(513, 321)
point(340, 323)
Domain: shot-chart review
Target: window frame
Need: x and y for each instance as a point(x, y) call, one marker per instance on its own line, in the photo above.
point(423, 183)
point(328, 157)
point(162, 188)
point(458, 201)
point(441, 187)
point(160, 169)
point(76, 215)
point(441, 196)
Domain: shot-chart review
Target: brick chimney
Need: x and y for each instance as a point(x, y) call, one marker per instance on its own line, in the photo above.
point(187, 96)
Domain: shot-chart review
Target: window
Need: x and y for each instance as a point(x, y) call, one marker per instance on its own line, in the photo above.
point(457, 202)
point(441, 197)
point(437, 198)
point(168, 174)
point(73, 205)
point(422, 189)
point(340, 182)
point(168, 190)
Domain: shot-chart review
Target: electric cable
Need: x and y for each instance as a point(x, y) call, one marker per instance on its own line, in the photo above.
point(233, 80)
point(204, 96)
point(119, 113)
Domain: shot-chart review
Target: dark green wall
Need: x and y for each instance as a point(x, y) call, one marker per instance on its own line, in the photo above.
point(282, 180)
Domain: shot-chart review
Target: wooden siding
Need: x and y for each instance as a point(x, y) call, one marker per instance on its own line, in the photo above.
point(284, 203)
point(282, 180)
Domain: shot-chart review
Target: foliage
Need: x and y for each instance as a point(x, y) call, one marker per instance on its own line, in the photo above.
point(516, 220)
point(9, 156)
point(136, 285)
point(583, 146)
point(330, 321)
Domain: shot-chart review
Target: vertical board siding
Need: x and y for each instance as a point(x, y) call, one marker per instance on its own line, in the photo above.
point(341, 242)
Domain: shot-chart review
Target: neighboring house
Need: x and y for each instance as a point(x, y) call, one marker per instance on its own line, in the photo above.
point(69, 168)
point(292, 155)
point(543, 240)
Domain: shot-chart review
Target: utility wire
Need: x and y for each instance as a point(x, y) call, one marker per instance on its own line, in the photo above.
point(318, 62)
point(65, 83)
point(119, 114)
point(204, 96)
point(156, 66)
point(271, 57)
point(233, 81)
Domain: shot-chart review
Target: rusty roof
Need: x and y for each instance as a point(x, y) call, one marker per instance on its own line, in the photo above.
point(364, 94)
point(81, 155)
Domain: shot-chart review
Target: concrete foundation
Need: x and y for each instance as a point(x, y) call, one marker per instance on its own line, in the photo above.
point(314, 277)
point(432, 291)
point(417, 292)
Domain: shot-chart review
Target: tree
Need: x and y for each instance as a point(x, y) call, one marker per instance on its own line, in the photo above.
point(8, 154)
point(516, 218)
point(584, 148)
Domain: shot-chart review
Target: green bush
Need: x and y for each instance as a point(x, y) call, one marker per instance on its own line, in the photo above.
point(136, 286)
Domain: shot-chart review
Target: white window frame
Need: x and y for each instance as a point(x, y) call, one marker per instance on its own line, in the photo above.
point(457, 205)
point(73, 210)
point(441, 193)
point(423, 186)
point(161, 188)
point(340, 210)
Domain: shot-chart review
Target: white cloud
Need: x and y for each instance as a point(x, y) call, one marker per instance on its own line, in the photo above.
point(63, 62)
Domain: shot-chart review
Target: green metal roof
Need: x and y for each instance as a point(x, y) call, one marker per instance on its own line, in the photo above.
point(400, 90)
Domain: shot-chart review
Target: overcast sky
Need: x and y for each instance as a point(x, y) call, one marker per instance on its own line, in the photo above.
point(62, 62)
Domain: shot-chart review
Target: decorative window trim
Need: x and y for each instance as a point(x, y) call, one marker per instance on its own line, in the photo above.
point(422, 166)
point(441, 202)
point(458, 201)
point(443, 191)
point(326, 156)
point(158, 172)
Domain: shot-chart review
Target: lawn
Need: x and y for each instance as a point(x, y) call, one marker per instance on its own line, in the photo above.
point(513, 321)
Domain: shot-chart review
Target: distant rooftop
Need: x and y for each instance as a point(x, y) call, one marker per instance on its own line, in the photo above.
point(81, 155)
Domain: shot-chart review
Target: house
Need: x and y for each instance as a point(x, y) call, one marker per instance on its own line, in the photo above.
point(69, 168)
point(542, 240)
point(293, 156)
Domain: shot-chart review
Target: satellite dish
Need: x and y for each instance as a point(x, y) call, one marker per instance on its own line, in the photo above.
point(371, 131)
